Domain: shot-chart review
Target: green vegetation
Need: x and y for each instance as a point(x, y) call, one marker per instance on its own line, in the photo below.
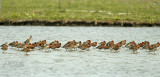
point(99, 10)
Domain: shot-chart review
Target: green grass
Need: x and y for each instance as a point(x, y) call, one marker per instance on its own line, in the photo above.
point(100, 10)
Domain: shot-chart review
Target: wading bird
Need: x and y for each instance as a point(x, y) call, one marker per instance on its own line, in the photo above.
point(4, 46)
point(28, 40)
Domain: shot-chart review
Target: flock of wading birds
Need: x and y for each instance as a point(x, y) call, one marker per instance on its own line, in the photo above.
point(27, 46)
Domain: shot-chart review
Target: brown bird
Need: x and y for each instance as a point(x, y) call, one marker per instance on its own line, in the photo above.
point(27, 49)
point(32, 46)
point(67, 45)
point(41, 44)
point(14, 44)
point(130, 44)
point(123, 42)
point(24, 46)
point(4, 44)
point(111, 44)
point(88, 44)
point(72, 46)
point(58, 45)
point(94, 44)
point(100, 46)
point(46, 47)
point(152, 48)
point(106, 46)
point(4, 47)
point(53, 46)
point(50, 45)
point(44, 42)
point(28, 40)
point(116, 48)
point(104, 42)
point(141, 44)
point(83, 47)
point(55, 42)
point(19, 46)
point(157, 44)
point(77, 45)
point(135, 48)
point(146, 45)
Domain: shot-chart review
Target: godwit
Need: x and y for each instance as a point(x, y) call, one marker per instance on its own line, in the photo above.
point(119, 44)
point(32, 46)
point(10, 44)
point(100, 46)
point(116, 48)
point(77, 45)
point(53, 46)
point(135, 48)
point(83, 47)
point(50, 45)
point(46, 47)
point(24, 46)
point(55, 42)
point(73, 42)
point(27, 49)
point(67, 45)
point(4, 47)
point(141, 44)
point(35, 44)
point(123, 42)
point(130, 44)
point(146, 45)
point(87, 43)
point(157, 44)
point(28, 40)
point(111, 44)
point(19, 46)
point(104, 42)
point(72, 46)
point(94, 44)
point(58, 45)
point(41, 44)
point(106, 46)
point(152, 48)
point(44, 42)
point(4, 44)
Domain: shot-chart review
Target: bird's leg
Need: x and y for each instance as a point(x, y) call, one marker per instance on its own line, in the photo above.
point(116, 51)
point(112, 50)
point(154, 53)
point(3, 51)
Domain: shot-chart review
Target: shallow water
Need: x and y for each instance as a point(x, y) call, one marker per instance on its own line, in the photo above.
point(93, 63)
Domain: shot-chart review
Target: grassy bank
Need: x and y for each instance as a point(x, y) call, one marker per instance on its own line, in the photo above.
point(97, 10)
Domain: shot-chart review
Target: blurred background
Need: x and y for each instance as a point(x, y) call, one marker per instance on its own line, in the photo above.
point(102, 10)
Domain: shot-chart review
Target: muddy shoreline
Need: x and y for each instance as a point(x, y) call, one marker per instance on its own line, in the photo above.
point(77, 23)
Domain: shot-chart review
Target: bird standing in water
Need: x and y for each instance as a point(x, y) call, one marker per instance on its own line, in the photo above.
point(28, 40)
point(4, 47)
